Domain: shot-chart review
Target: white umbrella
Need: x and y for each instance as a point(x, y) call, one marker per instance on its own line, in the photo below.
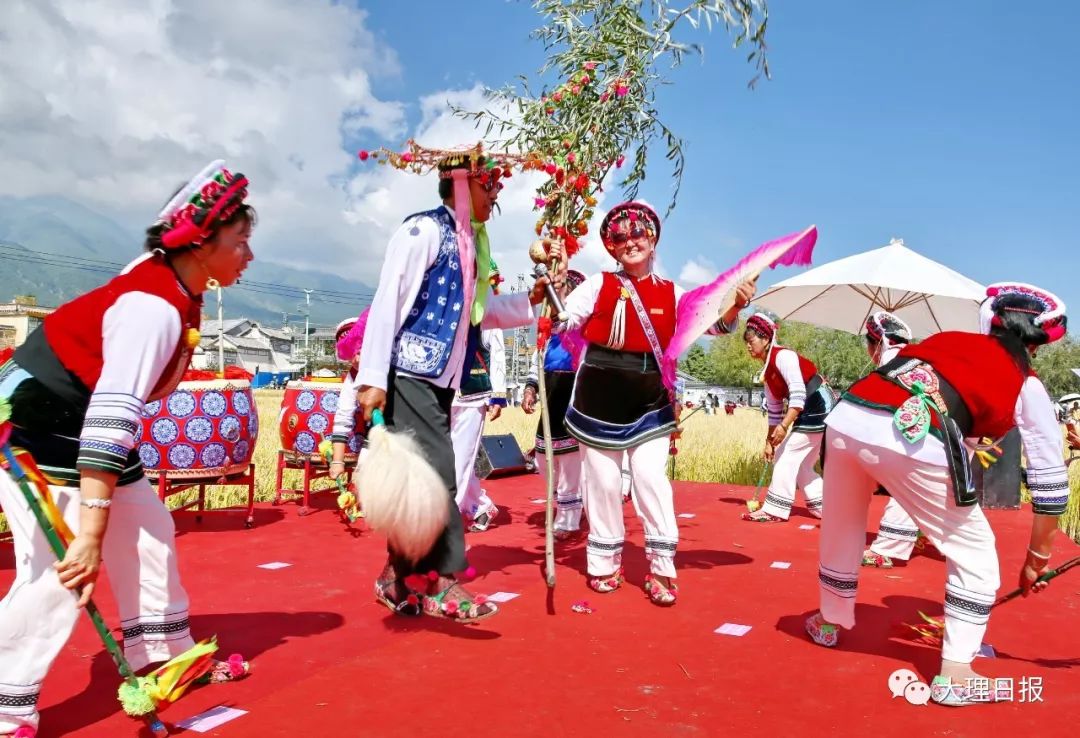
point(926, 295)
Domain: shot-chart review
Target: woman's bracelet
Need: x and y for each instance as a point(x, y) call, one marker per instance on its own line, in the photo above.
point(1036, 554)
point(99, 503)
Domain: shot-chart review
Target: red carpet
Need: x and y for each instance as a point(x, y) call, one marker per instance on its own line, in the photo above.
point(330, 662)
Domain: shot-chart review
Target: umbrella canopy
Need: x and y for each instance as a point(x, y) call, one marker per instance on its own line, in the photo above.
point(926, 295)
point(1070, 398)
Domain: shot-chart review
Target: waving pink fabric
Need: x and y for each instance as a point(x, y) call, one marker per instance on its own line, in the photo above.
point(700, 308)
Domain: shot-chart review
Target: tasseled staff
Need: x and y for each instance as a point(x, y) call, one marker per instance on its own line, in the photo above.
point(931, 629)
point(133, 695)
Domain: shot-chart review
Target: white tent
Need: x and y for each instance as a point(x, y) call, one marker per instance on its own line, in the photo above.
point(928, 296)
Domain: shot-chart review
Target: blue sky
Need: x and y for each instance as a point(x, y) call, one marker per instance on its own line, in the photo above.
point(951, 125)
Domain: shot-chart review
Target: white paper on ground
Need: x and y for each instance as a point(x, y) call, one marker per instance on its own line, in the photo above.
point(780, 565)
point(986, 651)
point(687, 515)
point(210, 719)
point(733, 629)
point(502, 596)
point(274, 565)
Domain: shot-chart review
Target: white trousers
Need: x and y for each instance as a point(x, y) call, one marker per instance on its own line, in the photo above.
point(853, 470)
point(794, 468)
point(466, 428)
point(568, 501)
point(601, 486)
point(38, 613)
point(897, 533)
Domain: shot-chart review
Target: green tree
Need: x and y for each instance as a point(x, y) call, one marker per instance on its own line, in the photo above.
point(696, 363)
point(1054, 364)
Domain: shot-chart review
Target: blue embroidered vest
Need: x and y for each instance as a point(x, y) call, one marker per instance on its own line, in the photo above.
point(426, 338)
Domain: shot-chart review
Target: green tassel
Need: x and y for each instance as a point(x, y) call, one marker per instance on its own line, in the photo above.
point(135, 700)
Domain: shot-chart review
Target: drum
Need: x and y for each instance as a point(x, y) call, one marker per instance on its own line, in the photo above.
point(202, 430)
point(307, 417)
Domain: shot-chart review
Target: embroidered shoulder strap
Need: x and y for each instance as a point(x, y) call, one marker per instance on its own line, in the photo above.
point(643, 317)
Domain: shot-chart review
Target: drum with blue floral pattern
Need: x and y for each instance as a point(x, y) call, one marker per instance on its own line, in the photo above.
point(307, 417)
point(204, 429)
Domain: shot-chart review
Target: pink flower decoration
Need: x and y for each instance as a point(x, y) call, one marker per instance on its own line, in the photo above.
point(603, 97)
point(237, 667)
point(576, 89)
point(407, 157)
point(363, 155)
point(620, 160)
point(571, 157)
point(585, 79)
point(450, 607)
point(550, 168)
point(590, 65)
point(540, 202)
point(480, 600)
point(621, 91)
point(557, 97)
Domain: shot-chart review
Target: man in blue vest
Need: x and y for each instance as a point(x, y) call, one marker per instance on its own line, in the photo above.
point(425, 322)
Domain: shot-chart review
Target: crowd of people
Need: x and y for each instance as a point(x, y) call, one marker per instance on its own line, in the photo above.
point(427, 356)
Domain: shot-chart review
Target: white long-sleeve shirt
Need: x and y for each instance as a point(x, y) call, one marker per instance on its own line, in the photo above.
point(408, 257)
point(345, 415)
point(1048, 479)
point(140, 333)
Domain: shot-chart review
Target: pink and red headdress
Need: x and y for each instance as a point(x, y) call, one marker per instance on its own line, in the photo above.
point(763, 325)
point(212, 196)
point(884, 326)
point(350, 336)
point(1044, 309)
point(628, 214)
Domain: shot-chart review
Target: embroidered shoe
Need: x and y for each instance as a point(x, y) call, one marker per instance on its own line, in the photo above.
point(869, 558)
point(484, 520)
point(979, 690)
point(610, 583)
point(820, 632)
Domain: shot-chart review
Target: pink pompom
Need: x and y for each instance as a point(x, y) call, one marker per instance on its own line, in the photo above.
point(480, 600)
point(433, 576)
point(619, 161)
point(412, 599)
point(237, 667)
point(363, 155)
point(24, 731)
point(407, 157)
point(621, 91)
point(470, 573)
point(540, 202)
point(450, 607)
point(590, 65)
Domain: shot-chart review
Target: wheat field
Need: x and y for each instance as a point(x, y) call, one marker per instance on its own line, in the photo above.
point(713, 448)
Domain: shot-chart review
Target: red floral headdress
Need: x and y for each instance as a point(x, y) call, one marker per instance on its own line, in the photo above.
point(212, 196)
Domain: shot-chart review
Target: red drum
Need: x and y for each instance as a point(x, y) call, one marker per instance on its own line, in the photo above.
point(203, 429)
point(307, 417)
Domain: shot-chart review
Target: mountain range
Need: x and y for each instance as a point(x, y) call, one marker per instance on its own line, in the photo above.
point(54, 248)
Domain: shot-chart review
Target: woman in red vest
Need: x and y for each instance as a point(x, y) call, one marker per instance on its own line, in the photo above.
point(76, 390)
point(794, 436)
point(620, 404)
point(904, 427)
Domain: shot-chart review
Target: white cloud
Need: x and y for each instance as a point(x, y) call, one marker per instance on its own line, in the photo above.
point(115, 102)
point(697, 272)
